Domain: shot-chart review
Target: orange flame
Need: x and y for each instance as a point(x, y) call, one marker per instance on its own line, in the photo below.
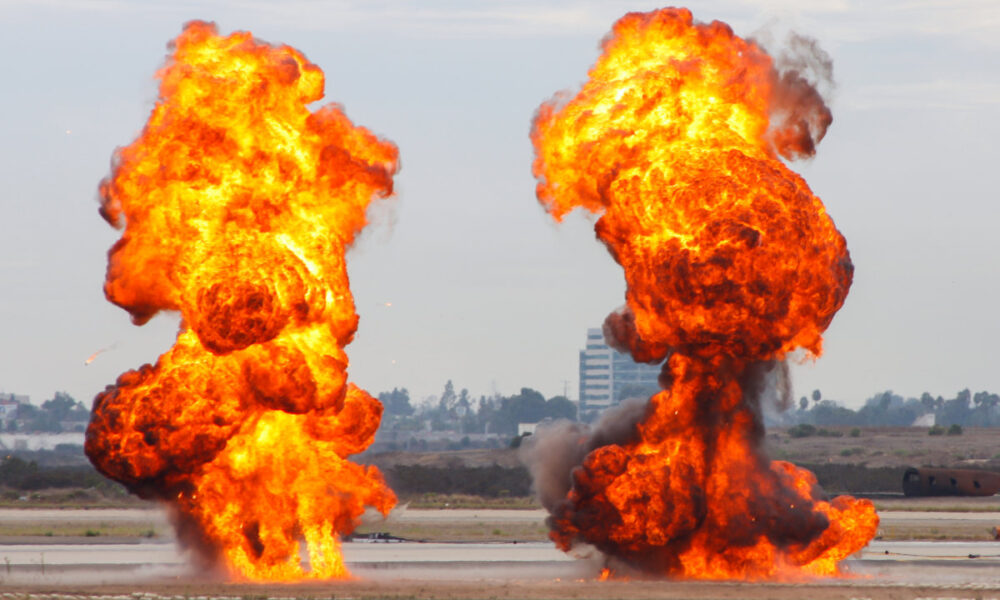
point(731, 262)
point(238, 205)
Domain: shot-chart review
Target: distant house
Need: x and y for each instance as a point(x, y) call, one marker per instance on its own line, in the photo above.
point(526, 428)
point(8, 409)
point(19, 398)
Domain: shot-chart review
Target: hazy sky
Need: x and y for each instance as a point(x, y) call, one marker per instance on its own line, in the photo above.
point(485, 289)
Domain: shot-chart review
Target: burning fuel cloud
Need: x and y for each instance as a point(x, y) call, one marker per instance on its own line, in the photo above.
point(730, 263)
point(238, 204)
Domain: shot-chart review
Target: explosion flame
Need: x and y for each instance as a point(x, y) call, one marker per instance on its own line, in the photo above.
point(731, 262)
point(238, 205)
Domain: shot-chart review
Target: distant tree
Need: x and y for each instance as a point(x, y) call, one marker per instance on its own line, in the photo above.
point(801, 431)
point(486, 416)
point(448, 398)
point(526, 407)
point(52, 413)
point(958, 410)
point(803, 403)
point(817, 396)
point(396, 402)
point(560, 407)
point(828, 412)
point(927, 401)
point(985, 413)
point(887, 409)
point(463, 405)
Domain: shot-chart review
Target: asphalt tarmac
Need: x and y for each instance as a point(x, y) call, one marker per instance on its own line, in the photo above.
point(160, 561)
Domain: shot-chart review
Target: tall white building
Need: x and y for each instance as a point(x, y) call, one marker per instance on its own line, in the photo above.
point(606, 374)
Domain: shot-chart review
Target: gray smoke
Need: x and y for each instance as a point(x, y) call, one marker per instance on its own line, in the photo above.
point(556, 449)
point(802, 82)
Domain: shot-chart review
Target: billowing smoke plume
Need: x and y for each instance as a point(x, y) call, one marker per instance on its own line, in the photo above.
point(799, 114)
point(556, 449)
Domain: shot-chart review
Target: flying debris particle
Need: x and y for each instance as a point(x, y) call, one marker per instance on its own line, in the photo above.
point(93, 356)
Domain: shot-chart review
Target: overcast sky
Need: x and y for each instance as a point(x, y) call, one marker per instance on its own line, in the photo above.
point(485, 289)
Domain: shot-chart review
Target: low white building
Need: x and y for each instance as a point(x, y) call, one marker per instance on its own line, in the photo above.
point(9, 404)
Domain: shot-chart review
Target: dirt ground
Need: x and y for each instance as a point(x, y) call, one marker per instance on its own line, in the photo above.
point(890, 447)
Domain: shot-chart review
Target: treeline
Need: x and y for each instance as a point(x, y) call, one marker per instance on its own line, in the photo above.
point(887, 409)
point(60, 413)
point(459, 412)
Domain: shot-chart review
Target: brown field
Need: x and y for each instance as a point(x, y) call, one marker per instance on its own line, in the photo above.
point(890, 447)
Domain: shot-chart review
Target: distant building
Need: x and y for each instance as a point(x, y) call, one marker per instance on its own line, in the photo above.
point(531, 428)
point(606, 374)
point(8, 407)
point(8, 411)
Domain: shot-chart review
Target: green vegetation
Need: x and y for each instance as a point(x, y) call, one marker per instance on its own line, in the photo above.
point(60, 413)
point(807, 430)
point(460, 413)
point(26, 483)
point(18, 474)
point(887, 409)
point(802, 430)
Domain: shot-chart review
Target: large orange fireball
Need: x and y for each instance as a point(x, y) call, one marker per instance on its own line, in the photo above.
point(731, 262)
point(238, 205)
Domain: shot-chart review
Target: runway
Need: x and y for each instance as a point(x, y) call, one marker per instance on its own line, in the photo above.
point(926, 563)
point(159, 562)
